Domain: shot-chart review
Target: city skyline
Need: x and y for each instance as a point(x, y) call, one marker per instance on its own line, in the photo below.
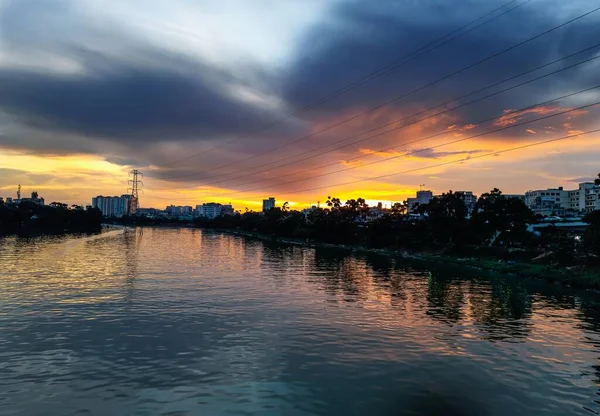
point(183, 92)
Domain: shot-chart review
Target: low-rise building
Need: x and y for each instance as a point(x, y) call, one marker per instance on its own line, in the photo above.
point(35, 198)
point(552, 201)
point(150, 212)
point(516, 196)
point(212, 210)
point(422, 198)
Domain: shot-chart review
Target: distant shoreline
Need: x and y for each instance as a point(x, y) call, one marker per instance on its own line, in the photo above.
point(569, 276)
point(578, 276)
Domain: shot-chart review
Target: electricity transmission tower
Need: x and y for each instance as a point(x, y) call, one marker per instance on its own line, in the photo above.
point(136, 187)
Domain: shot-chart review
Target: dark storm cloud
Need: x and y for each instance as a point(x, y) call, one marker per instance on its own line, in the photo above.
point(361, 38)
point(143, 96)
point(129, 103)
point(127, 99)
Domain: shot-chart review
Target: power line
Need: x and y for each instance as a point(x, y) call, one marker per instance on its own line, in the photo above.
point(398, 97)
point(370, 76)
point(409, 153)
point(430, 137)
point(414, 121)
point(466, 159)
point(410, 116)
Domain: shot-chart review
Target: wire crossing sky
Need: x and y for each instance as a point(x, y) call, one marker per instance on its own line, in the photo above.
point(234, 101)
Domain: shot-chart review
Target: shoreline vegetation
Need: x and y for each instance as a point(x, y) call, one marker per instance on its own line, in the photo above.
point(495, 236)
point(29, 219)
point(578, 277)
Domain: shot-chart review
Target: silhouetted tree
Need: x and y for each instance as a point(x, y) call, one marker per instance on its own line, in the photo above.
point(399, 208)
point(591, 238)
point(30, 218)
point(498, 219)
point(447, 217)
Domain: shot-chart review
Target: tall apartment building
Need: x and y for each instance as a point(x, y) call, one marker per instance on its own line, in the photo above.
point(268, 204)
point(115, 206)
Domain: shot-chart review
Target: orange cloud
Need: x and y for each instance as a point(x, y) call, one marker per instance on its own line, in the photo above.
point(515, 117)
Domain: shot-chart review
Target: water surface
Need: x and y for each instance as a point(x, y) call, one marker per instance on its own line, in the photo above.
point(184, 322)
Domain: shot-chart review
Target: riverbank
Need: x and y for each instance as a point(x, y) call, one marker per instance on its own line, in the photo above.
point(576, 276)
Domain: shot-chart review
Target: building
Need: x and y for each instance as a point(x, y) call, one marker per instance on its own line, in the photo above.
point(212, 210)
point(268, 204)
point(179, 210)
point(589, 197)
point(422, 198)
point(574, 200)
point(547, 202)
point(516, 196)
point(115, 206)
point(592, 199)
point(469, 199)
point(35, 198)
point(150, 212)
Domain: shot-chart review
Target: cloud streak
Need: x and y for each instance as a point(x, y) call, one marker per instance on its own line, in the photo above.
point(139, 85)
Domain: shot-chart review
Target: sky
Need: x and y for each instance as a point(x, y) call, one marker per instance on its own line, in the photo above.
point(237, 100)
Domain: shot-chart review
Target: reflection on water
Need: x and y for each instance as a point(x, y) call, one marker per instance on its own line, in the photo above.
point(149, 321)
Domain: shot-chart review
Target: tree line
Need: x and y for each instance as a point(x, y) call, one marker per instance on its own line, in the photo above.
point(28, 218)
point(497, 226)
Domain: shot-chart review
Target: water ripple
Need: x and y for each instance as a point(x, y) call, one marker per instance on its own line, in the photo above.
point(184, 322)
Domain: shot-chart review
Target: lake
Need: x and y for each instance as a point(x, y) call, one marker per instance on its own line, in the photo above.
point(185, 322)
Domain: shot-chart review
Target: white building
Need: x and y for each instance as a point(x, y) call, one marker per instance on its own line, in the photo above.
point(213, 210)
point(546, 202)
point(268, 204)
point(557, 201)
point(589, 197)
point(423, 197)
point(115, 206)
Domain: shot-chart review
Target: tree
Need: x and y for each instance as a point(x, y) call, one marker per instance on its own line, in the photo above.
point(334, 203)
point(559, 244)
point(591, 238)
point(597, 180)
point(498, 219)
point(399, 208)
point(446, 216)
point(285, 207)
